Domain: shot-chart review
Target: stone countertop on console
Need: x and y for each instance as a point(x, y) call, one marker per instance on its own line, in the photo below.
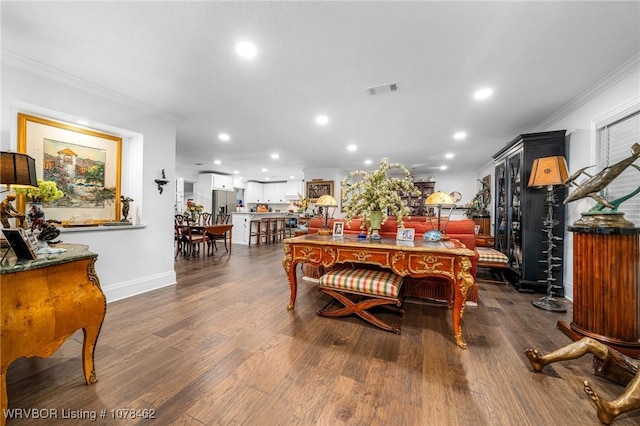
point(74, 252)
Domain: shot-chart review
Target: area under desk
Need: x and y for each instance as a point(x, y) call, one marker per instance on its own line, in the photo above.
point(444, 259)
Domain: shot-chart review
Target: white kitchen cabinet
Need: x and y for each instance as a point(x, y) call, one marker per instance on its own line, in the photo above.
point(222, 182)
point(274, 193)
point(254, 193)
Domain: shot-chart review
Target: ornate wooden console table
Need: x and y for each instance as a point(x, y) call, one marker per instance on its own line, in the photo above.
point(606, 294)
point(444, 259)
point(43, 302)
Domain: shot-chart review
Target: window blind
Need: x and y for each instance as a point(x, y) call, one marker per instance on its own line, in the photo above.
point(615, 141)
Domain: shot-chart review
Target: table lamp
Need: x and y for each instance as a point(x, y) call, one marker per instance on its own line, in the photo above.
point(549, 172)
point(326, 201)
point(438, 200)
point(17, 170)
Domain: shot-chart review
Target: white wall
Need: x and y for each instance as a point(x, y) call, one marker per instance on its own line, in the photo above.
point(129, 261)
point(620, 88)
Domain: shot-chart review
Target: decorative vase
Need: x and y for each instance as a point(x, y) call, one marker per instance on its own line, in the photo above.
point(35, 215)
point(375, 220)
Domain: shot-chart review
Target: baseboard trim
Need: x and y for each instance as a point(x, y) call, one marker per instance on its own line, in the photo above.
point(131, 288)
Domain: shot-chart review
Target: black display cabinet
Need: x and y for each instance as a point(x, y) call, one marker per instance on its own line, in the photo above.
point(520, 211)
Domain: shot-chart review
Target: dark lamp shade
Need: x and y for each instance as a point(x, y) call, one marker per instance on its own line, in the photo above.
point(17, 170)
point(548, 171)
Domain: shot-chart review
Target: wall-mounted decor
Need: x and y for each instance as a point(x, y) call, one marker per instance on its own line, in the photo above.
point(317, 188)
point(84, 164)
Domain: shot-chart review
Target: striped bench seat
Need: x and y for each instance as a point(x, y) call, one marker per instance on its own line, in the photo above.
point(362, 289)
point(494, 260)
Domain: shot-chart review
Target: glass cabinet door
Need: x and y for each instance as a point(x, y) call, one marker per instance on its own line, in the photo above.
point(501, 209)
point(514, 215)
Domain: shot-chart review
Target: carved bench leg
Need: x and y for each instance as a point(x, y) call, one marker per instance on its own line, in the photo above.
point(360, 307)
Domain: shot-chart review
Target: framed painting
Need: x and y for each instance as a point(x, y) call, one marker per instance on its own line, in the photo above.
point(317, 188)
point(84, 164)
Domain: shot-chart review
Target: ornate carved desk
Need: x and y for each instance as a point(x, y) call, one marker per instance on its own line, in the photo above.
point(43, 302)
point(444, 259)
point(606, 289)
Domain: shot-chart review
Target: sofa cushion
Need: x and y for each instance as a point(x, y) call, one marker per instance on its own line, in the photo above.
point(363, 281)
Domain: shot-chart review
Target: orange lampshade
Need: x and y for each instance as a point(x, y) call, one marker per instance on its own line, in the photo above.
point(548, 171)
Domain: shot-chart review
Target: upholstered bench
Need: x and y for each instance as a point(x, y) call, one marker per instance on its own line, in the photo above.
point(362, 289)
point(495, 260)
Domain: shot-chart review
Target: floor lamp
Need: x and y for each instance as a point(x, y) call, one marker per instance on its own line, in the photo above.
point(549, 172)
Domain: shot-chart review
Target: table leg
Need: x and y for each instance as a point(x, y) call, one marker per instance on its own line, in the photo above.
point(289, 266)
point(464, 283)
point(230, 239)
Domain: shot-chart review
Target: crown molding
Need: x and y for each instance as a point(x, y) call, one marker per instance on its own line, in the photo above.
point(22, 62)
point(631, 65)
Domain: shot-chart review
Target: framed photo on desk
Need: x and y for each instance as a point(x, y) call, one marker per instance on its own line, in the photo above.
point(19, 243)
point(405, 234)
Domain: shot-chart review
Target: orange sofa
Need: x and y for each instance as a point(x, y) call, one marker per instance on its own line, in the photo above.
point(460, 229)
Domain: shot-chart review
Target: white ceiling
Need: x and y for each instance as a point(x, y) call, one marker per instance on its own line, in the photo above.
point(178, 58)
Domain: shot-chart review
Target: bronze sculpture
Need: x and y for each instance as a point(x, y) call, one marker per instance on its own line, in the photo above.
point(125, 207)
point(607, 363)
point(598, 215)
point(7, 211)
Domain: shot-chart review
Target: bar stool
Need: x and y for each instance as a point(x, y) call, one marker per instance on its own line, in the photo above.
point(255, 230)
point(268, 229)
point(281, 228)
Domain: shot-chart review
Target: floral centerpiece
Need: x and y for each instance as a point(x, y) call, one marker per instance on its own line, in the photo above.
point(373, 196)
point(46, 191)
point(302, 203)
point(193, 210)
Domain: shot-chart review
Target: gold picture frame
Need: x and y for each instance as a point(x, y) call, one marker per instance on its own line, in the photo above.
point(317, 188)
point(84, 163)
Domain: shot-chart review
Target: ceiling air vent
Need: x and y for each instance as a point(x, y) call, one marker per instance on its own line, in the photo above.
point(383, 88)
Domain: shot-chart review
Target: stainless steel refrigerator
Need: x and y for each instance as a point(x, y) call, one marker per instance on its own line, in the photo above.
point(223, 202)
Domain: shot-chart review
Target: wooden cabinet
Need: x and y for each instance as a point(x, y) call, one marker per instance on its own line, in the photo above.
point(44, 302)
point(606, 288)
point(520, 210)
point(416, 204)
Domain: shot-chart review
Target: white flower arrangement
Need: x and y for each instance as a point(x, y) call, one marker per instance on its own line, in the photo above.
point(377, 191)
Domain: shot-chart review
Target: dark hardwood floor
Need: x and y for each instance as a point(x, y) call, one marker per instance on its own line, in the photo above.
point(221, 348)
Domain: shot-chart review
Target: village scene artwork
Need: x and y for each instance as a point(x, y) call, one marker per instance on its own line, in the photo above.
point(78, 171)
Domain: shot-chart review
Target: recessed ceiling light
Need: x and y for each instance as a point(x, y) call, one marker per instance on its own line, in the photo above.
point(217, 162)
point(224, 137)
point(322, 120)
point(459, 135)
point(264, 169)
point(443, 167)
point(235, 172)
point(266, 178)
point(246, 50)
point(83, 122)
point(448, 155)
point(483, 94)
point(292, 177)
point(352, 148)
point(275, 156)
point(367, 162)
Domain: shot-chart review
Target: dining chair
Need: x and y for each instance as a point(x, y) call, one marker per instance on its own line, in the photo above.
point(205, 218)
point(193, 238)
point(221, 219)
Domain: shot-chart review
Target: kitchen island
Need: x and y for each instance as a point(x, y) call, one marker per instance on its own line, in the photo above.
point(242, 220)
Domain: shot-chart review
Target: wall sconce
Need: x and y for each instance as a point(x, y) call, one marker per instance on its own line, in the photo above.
point(161, 182)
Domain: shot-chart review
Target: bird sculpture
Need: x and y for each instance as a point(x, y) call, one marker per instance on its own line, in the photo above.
point(596, 183)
